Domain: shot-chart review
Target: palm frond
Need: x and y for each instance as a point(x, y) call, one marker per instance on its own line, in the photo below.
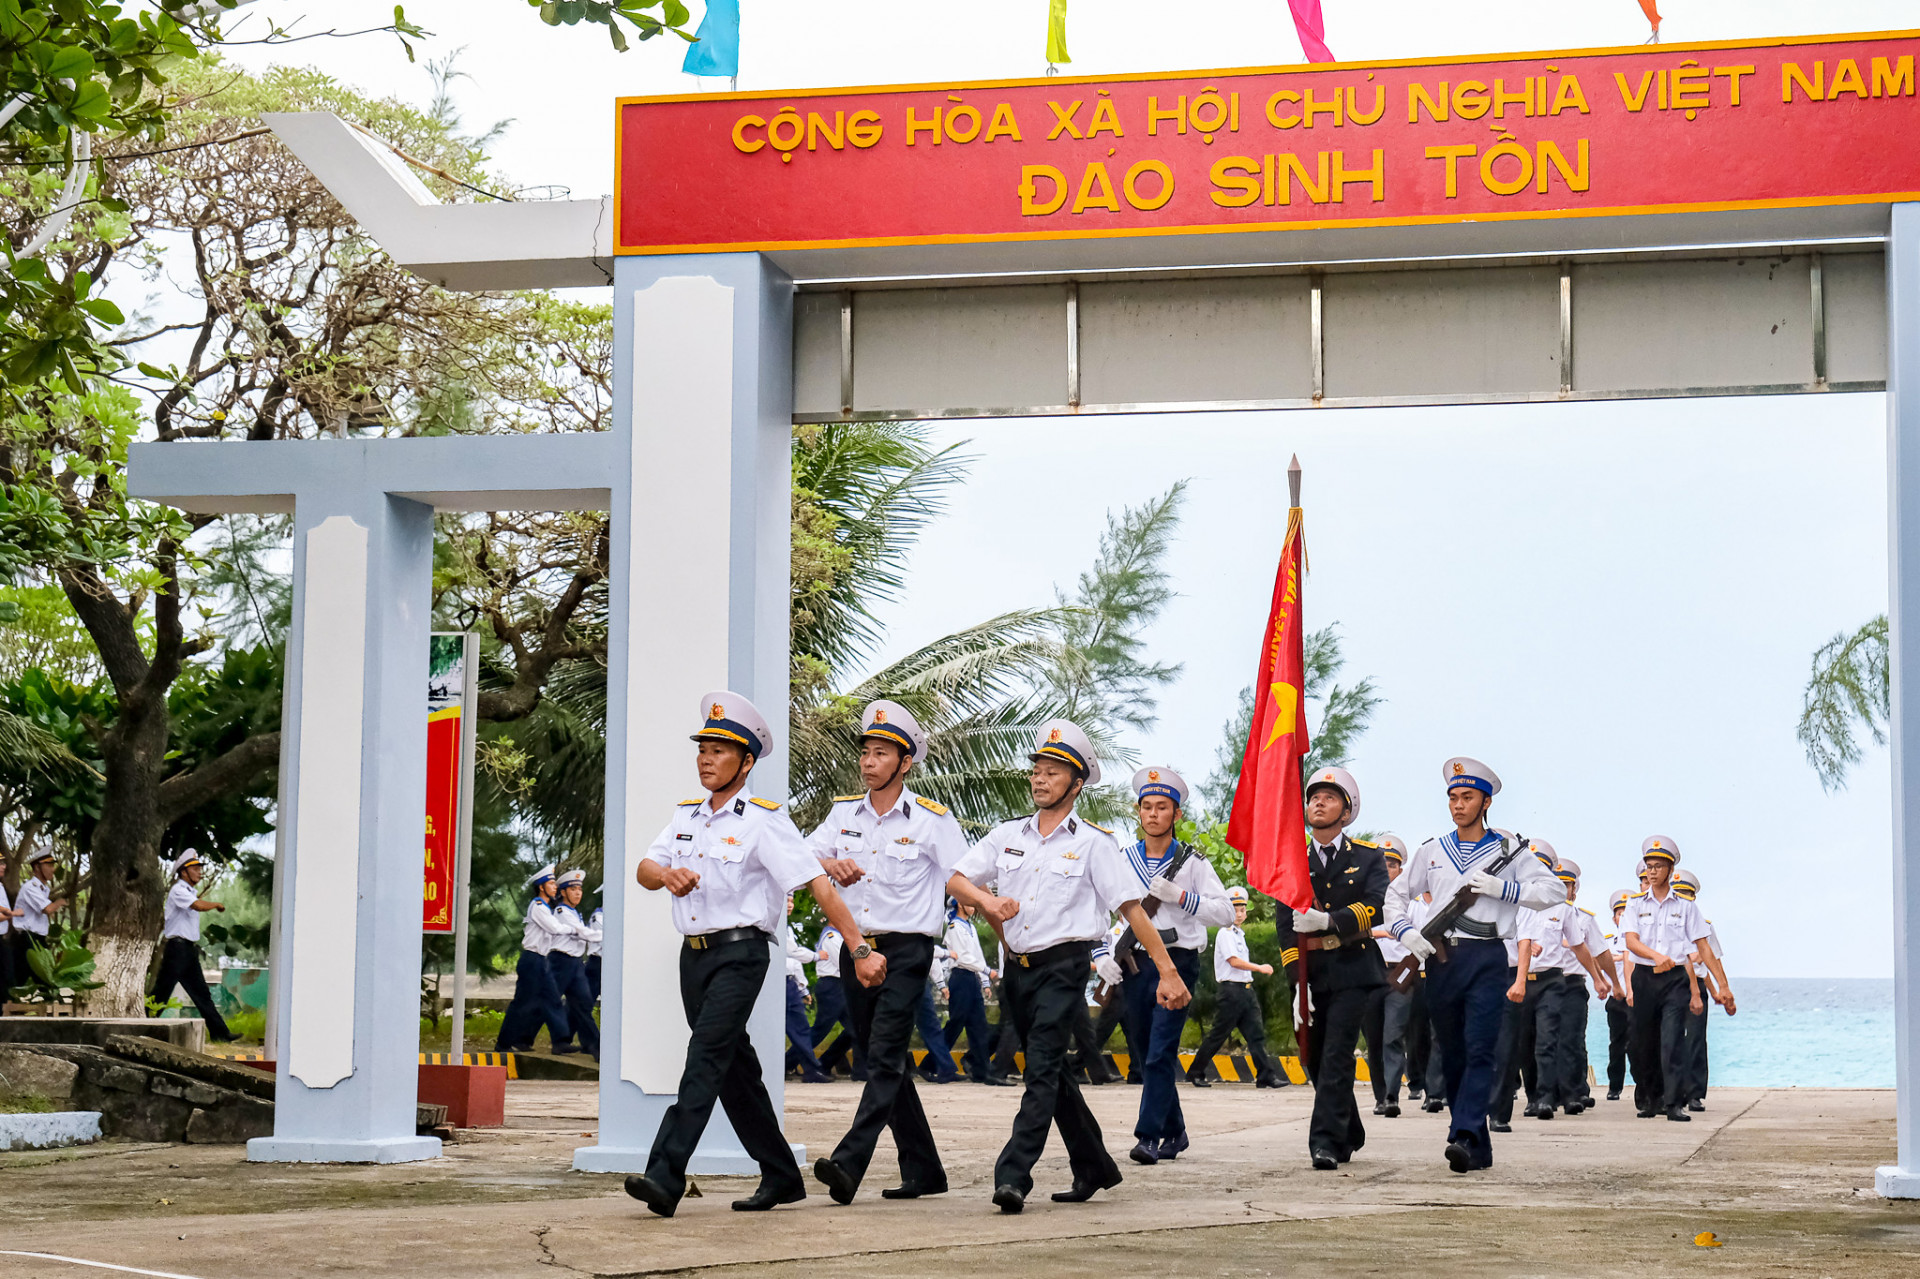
point(1848, 687)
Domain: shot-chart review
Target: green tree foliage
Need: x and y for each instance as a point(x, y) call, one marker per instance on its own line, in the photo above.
point(1847, 693)
point(639, 14)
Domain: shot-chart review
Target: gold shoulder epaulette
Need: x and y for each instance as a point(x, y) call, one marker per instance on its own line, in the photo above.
point(1366, 843)
point(771, 805)
point(848, 799)
point(932, 806)
point(688, 803)
point(1097, 826)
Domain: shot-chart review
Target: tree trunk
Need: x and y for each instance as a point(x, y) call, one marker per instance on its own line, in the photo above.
point(129, 890)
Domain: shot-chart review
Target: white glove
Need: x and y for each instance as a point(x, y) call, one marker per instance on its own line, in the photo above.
point(1486, 885)
point(1310, 921)
point(1164, 889)
point(1417, 944)
point(1108, 970)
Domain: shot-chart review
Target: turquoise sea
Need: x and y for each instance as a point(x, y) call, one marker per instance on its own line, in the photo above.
point(1792, 1033)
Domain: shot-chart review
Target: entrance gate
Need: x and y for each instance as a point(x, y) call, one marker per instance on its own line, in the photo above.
point(1678, 221)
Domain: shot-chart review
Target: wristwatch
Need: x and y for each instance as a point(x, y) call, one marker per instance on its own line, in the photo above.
point(862, 951)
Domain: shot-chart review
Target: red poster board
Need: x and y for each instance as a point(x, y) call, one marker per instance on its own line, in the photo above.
point(1816, 120)
point(443, 818)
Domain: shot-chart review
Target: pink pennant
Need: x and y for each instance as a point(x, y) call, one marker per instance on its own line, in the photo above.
point(1312, 28)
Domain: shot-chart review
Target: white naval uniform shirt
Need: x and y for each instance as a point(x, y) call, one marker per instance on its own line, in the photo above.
point(542, 928)
point(1068, 883)
point(1668, 927)
point(182, 920)
point(1203, 898)
point(1713, 940)
point(826, 955)
point(963, 945)
point(595, 925)
point(1554, 932)
point(573, 934)
point(1230, 943)
point(1442, 866)
point(749, 857)
point(6, 903)
point(1390, 949)
point(1596, 941)
point(35, 897)
point(907, 855)
point(798, 957)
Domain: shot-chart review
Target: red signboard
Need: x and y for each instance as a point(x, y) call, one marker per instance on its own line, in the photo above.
point(443, 817)
point(1759, 124)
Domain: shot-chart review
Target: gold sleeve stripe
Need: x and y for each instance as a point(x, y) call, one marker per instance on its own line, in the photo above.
point(1289, 956)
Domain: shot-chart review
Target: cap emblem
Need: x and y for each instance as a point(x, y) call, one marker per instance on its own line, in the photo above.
point(879, 717)
point(1459, 769)
point(1053, 735)
point(1153, 774)
point(717, 711)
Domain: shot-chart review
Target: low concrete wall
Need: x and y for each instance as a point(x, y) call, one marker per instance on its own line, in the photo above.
point(45, 1132)
point(189, 1033)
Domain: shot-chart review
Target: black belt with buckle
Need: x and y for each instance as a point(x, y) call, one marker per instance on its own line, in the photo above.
point(706, 941)
point(1065, 951)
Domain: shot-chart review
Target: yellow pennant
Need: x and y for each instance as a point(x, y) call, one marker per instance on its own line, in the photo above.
point(1057, 31)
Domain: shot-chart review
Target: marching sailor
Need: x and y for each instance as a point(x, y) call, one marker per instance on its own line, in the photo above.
point(1344, 967)
point(1713, 977)
point(800, 1047)
point(596, 923)
point(567, 959)
point(1550, 940)
point(1619, 1005)
point(1662, 931)
point(180, 945)
point(1238, 1008)
point(535, 998)
point(1058, 878)
point(1466, 993)
point(965, 982)
point(730, 860)
point(892, 852)
point(1185, 895)
point(1390, 1010)
point(1576, 998)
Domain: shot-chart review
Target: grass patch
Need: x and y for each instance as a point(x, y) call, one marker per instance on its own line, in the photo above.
point(26, 1103)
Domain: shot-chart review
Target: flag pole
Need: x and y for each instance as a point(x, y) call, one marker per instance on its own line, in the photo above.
point(1301, 997)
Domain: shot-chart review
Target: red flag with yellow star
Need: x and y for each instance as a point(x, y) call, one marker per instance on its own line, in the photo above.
point(1269, 822)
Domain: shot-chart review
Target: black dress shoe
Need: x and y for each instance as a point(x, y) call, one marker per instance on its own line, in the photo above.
point(1173, 1147)
point(1696, 1106)
point(1459, 1158)
point(1392, 1111)
point(1083, 1190)
point(1200, 1081)
point(1544, 1112)
point(1613, 1094)
point(1644, 1113)
point(767, 1197)
point(1499, 1125)
point(1008, 1199)
point(915, 1189)
point(1379, 1107)
point(1575, 1107)
point(1533, 1108)
point(1144, 1152)
point(840, 1184)
point(1433, 1105)
point(1133, 1077)
point(996, 1081)
point(1268, 1082)
point(1679, 1115)
point(1324, 1161)
point(652, 1194)
point(1413, 1094)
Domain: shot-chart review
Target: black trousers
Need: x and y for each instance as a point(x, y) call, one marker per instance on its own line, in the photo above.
point(1423, 1065)
point(1619, 1025)
point(1115, 1014)
point(1237, 1010)
point(1542, 1031)
point(1043, 1002)
point(1575, 996)
point(1373, 1026)
point(883, 1018)
point(1659, 1038)
point(576, 996)
point(1006, 1040)
point(180, 965)
point(1508, 1058)
point(1332, 1035)
point(535, 1000)
point(1697, 1051)
point(718, 986)
point(967, 1011)
point(593, 976)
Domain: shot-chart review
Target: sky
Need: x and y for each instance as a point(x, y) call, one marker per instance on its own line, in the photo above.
point(1622, 630)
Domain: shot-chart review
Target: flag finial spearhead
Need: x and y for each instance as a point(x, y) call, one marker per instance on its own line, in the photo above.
point(1293, 480)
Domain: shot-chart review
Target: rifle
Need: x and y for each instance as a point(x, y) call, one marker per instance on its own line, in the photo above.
point(1125, 950)
point(1435, 930)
